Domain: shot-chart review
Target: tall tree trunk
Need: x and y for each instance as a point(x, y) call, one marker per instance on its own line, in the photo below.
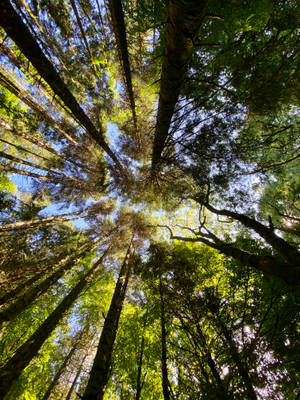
point(139, 384)
point(25, 150)
point(6, 125)
point(79, 369)
point(184, 22)
point(21, 65)
point(283, 248)
point(21, 303)
point(63, 366)
point(40, 221)
point(234, 353)
point(36, 166)
point(14, 87)
point(268, 264)
point(100, 371)
point(19, 33)
point(139, 375)
point(164, 367)
point(118, 23)
point(78, 19)
point(10, 372)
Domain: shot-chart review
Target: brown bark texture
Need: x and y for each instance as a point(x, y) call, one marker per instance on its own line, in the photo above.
point(10, 372)
point(185, 18)
point(99, 374)
point(19, 33)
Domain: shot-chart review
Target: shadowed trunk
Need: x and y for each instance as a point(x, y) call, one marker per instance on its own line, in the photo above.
point(99, 374)
point(269, 264)
point(283, 248)
point(118, 24)
point(139, 375)
point(240, 363)
point(19, 33)
point(14, 87)
point(40, 221)
point(21, 303)
point(63, 366)
point(10, 372)
point(6, 125)
point(184, 22)
point(164, 367)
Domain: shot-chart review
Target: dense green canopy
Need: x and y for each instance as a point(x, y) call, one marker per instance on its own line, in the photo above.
point(149, 199)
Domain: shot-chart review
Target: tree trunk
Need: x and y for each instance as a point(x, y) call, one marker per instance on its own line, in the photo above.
point(241, 366)
point(164, 367)
point(268, 264)
point(50, 171)
point(100, 371)
point(118, 23)
point(184, 22)
point(62, 368)
point(283, 248)
point(70, 391)
point(10, 372)
point(14, 309)
point(19, 33)
point(40, 221)
point(9, 83)
point(5, 124)
point(21, 65)
point(26, 150)
point(139, 375)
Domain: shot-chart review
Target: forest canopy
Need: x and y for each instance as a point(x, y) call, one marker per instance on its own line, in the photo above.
point(149, 199)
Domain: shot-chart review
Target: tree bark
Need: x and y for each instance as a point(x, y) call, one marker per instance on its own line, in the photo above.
point(268, 264)
point(283, 248)
point(99, 374)
point(42, 145)
point(118, 23)
point(9, 83)
point(62, 368)
point(19, 33)
point(164, 367)
point(21, 303)
point(184, 21)
point(139, 375)
point(10, 372)
point(40, 221)
point(242, 368)
point(70, 391)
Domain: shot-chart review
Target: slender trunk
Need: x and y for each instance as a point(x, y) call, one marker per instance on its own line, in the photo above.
point(36, 166)
point(268, 264)
point(5, 124)
point(241, 366)
point(100, 371)
point(212, 365)
point(19, 33)
point(164, 367)
point(62, 368)
point(60, 181)
point(19, 63)
point(118, 23)
point(139, 375)
point(24, 149)
point(10, 372)
point(40, 221)
point(70, 391)
point(78, 19)
point(287, 251)
point(184, 21)
point(21, 303)
point(14, 87)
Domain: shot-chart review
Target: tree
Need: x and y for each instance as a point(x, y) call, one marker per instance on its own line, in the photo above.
point(173, 127)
